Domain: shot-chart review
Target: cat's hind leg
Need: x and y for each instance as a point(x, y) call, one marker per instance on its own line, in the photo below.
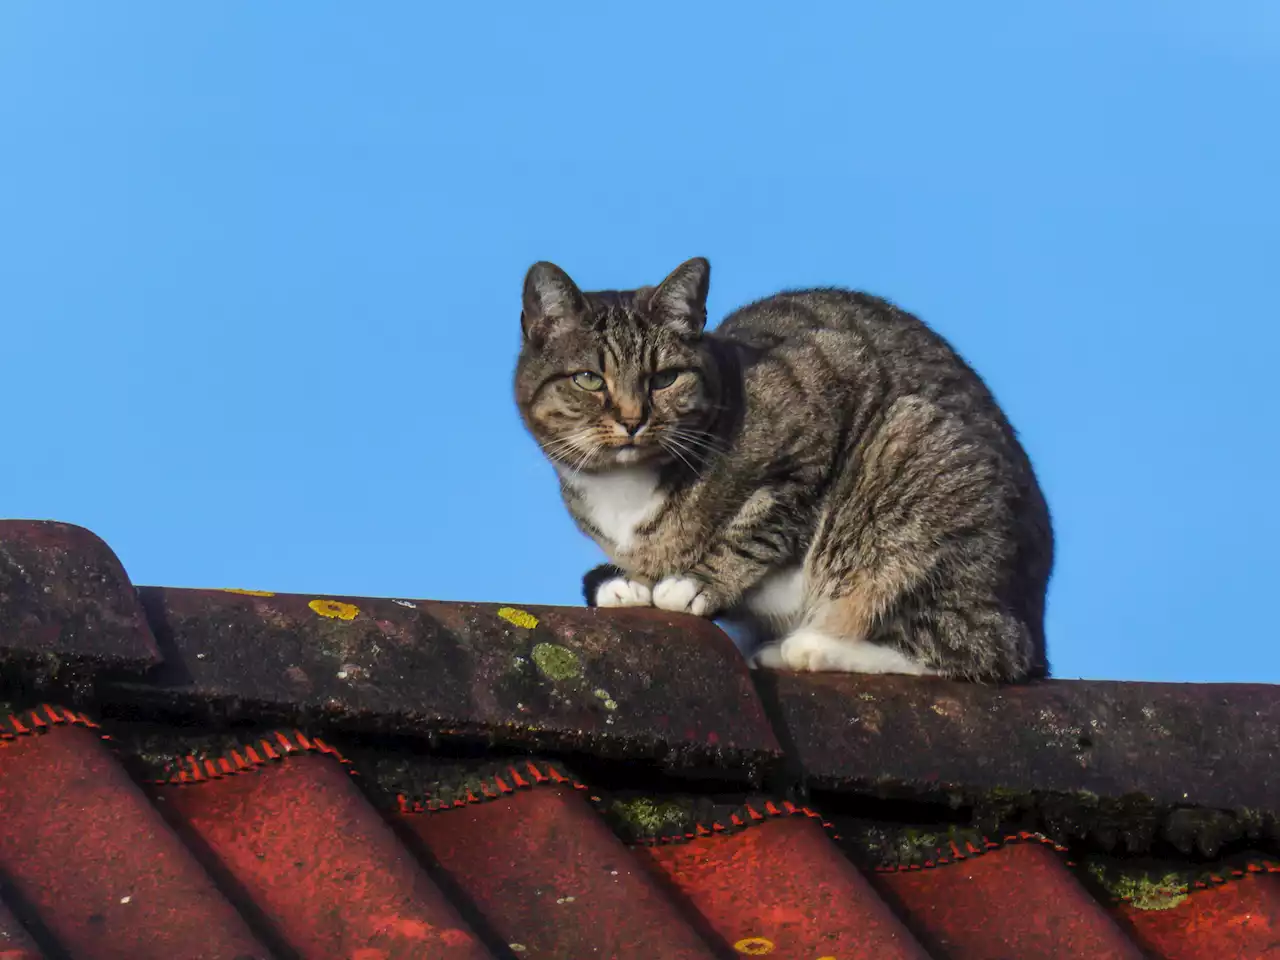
point(833, 639)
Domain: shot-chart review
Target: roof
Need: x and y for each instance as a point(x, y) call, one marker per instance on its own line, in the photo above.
point(241, 774)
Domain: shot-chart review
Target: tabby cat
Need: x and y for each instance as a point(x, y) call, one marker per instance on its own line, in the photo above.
point(822, 468)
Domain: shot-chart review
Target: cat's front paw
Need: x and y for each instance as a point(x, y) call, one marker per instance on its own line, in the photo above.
point(768, 657)
point(684, 595)
point(621, 592)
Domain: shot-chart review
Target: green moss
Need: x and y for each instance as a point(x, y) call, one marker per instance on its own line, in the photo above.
point(885, 845)
point(1144, 890)
point(648, 817)
point(556, 662)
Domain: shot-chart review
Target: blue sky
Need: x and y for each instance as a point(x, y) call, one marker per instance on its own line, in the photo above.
point(260, 268)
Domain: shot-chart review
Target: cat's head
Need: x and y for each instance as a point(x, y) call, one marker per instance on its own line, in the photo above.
point(616, 378)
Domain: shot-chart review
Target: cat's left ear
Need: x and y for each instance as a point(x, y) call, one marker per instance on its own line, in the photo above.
point(680, 301)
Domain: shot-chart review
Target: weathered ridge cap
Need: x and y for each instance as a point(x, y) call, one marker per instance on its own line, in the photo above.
point(638, 683)
point(66, 602)
point(1172, 744)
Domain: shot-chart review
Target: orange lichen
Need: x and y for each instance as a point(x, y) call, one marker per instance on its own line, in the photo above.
point(249, 593)
point(335, 609)
point(754, 946)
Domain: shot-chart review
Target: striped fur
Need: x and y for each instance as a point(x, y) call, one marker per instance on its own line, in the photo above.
point(822, 468)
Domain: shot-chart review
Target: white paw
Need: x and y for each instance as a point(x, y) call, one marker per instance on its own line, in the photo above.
point(769, 656)
point(621, 592)
point(682, 595)
point(812, 651)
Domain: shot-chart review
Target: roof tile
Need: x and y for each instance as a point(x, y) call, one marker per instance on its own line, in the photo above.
point(66, 602)
point(632, 684)
point(551, 878)
point(84, 849)
point(1175, 745)
point(1237, 921)
point(318, 864)
point(317, 871)
point(782, 888)
point(1017, 901)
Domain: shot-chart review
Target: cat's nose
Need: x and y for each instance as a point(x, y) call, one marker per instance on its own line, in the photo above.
point(633, 428)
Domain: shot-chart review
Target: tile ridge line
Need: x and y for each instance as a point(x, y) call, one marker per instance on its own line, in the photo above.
point(1254, 865)
point(701, 829)
point(283, 744)
point(275, 746)
point(971, 850)
point(41, 719)
point(253, 755)
point(494, 787)
point(278, 745)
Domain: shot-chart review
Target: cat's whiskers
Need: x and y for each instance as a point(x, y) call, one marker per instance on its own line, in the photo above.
point(704, 442)
point(557, 449)
point(710, 444)
point(671, 447)
point(588, 453)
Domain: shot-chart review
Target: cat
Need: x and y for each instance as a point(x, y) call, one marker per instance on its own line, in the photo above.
point(822, 468)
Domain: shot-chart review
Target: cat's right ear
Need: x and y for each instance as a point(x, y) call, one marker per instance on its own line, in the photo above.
point(552, 302)
point(681, 299)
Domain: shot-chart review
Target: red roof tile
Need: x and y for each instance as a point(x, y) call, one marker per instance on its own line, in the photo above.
point(291, 849)
point(86, 850)
point(782, 888)
point(1236, 921)
point(307, 853)
point(687, 829)
point(1017, 901)
point(550, 877)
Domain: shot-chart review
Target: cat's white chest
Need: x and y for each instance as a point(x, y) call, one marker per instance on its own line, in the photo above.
point(779, 597)
point(618, 501)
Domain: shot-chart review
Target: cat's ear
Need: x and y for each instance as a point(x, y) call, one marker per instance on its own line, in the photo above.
point(680, 301)
point(552, 302)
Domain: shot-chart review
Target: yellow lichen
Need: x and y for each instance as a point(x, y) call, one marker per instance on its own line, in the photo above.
point(335, 609)
point(521, 618)
point(754, 946)
point(249, 593)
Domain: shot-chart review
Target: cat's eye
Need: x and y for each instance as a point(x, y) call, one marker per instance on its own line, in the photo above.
point(587, 380)
point(663, 379)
